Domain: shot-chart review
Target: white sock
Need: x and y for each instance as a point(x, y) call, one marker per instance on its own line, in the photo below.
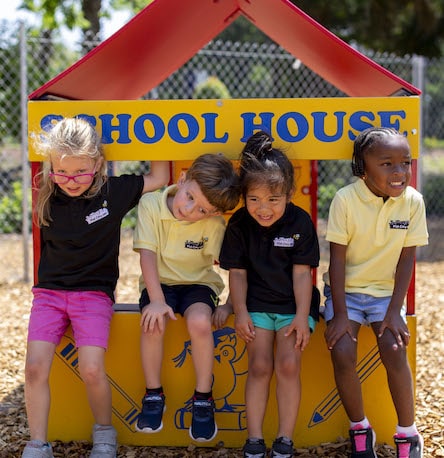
point(407, 431)
point(363, 424)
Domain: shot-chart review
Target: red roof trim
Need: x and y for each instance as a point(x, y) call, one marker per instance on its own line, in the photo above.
point(167, 33)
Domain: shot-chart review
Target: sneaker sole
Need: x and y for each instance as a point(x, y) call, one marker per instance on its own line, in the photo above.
point(203, 439)
point(148, 430)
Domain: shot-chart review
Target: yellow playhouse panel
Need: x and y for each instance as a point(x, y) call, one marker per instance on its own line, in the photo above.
point(180, 130)
point(321, 417)
point(184, 129)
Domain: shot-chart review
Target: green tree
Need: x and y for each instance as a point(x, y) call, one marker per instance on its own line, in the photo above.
point(211, 88)
point(41, 64)
point(73, 14)
point(402, 27)
point(412, 27)
point(407, 27)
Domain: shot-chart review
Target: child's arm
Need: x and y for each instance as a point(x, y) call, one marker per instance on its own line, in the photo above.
point(158, 177)
point(238, 292)
point(155, 313)
point(393, 320)
point(302, 287)
point(340, 324)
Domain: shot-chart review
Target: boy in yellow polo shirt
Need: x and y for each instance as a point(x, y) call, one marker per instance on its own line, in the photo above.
point(178, 235)
point(374, 227)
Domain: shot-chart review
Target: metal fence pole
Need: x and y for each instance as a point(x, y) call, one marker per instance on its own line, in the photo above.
point(24, 149)
point(418, 69)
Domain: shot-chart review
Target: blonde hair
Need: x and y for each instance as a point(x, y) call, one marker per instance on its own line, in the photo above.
point(69, 137)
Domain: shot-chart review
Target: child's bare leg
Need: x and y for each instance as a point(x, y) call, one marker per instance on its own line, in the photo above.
point(288, 383)
point(39, 356)
point(93, 373)
point(260, 371)
point(151, 351)
point(399, 376)
point(344, 358)
point(198, 317)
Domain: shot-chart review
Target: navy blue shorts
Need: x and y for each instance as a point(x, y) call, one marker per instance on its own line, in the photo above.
point(180, 297)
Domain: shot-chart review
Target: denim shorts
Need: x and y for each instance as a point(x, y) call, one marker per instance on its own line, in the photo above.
point(276, 321)
point(362, 308)
point(89, 313)
point(180, 297)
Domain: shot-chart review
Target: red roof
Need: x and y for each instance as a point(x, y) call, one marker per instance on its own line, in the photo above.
point(167, 33)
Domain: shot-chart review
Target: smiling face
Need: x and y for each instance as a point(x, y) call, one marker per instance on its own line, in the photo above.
point(388, 167)
point(73, 165)
point(189, 203)
point(264, 205)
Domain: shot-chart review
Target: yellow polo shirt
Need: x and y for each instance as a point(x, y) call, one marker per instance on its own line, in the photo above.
point(186, 251)
point(375, 232)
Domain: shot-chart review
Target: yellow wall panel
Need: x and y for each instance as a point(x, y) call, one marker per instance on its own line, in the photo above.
point(321, 417)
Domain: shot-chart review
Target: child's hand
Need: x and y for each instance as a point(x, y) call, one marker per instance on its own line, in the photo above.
point(301, 329)
point(154, 315)
point(244, 327)
point(338, 327)
point(397, 326)
point(221, 314)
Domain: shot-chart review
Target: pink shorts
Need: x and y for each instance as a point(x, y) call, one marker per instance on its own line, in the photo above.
point(89, 313)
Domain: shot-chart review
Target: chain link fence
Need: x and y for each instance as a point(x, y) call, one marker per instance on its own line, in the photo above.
point(221, 69)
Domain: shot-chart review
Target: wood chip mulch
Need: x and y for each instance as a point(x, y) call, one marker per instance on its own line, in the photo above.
point(14, 308)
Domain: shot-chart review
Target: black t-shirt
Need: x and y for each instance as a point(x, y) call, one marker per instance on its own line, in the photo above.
point(268, 255)
point(80, 247)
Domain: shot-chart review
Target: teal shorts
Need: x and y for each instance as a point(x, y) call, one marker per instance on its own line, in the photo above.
point(276, 321)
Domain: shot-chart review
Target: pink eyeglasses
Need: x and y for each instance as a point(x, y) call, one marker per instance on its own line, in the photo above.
point(81, 178)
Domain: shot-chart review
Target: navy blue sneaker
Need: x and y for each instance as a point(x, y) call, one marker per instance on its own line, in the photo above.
point(255, 448)
point(203, 427)
point(282, 448)
point(150, 417)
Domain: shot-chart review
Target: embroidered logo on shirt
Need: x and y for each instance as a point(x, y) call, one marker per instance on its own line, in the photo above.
point(97, 215)
point(196, 245)
point(285, 242)
point(398, 224)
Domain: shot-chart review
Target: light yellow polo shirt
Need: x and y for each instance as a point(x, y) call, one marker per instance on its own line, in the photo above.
point(186, 251)
point(375, 232)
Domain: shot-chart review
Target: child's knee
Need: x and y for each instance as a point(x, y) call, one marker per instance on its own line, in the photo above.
point(260, 367)
point(394, 357)
point(288, 367)
point(199, 324)
point(91, 372)
point(35, 372)
point(344, 358)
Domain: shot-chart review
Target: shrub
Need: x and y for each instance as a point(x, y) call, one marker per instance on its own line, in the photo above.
point(211, 88)
point(11, 217)
point(431, 190)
